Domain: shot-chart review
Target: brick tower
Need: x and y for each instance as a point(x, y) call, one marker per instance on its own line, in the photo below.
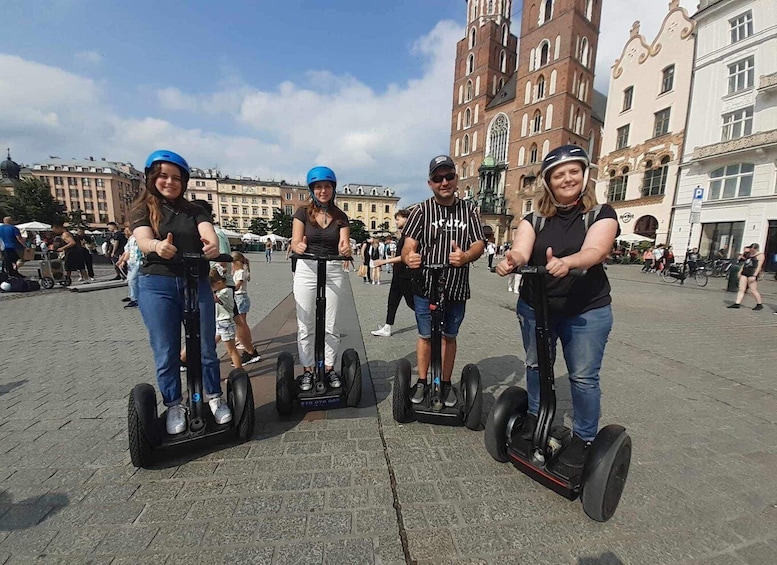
point(544, 101)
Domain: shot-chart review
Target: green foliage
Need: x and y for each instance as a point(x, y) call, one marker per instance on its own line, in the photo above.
point(359, 231)
point(32, 202)
point(75, 219)
point(258, 226)
point(280, 223)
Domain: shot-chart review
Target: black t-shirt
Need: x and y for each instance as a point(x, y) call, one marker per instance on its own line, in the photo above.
point(323, 241)
point(565, 233)
point(122, 239)
point(182, 222)
point(400, 269)
point(750, 265)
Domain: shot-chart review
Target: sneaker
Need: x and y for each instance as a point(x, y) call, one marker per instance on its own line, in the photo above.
point(131, 304)
point(449, 394)
point(418, 392)
point(759, 307)
point(247, 358)
point(574, 454)
point(306, 381)
point(333, 379)
point(126, 299)
point(527, 432)
point(220, 409)
point(385, 331)
point(734, 305)
point(91, 279)
point(176, 419)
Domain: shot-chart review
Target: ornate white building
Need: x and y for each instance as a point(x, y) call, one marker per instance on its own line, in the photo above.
point(731, 137)
point(650, 84)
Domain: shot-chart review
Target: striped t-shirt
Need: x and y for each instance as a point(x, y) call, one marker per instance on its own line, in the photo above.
point(434, 227)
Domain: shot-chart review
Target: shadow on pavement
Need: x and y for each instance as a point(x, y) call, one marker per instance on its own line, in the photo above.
point(10, 387)
point(607, 558)
point(30, 512)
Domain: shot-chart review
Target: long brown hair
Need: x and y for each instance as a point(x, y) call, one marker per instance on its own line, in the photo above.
point(544, 206)
point(311, 208)
point(151, 201)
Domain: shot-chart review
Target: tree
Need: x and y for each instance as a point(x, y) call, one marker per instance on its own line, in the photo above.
point(32, 201)
point(258, 226)
point(280, 223)
point(75, 219)
point(359, 231)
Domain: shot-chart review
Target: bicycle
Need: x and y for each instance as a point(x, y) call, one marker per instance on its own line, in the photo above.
point(674, 273)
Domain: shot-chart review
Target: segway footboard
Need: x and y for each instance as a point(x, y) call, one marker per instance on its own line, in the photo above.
point(445, 417)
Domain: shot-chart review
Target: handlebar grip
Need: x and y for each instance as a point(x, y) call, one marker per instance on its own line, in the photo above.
point(315, 257)
point(541, 270)
point(183, 258)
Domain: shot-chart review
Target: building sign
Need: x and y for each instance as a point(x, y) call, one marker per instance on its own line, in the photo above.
point(698, 197)
point(626, 217)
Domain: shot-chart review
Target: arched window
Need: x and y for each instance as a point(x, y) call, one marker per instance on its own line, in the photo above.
point(472, 38)
point(490, 7)
point(465, 148)
point(578, 121)
point(468, 91)
point(540, 87)
point(505, 35)
point(533, 153)
point(536, 122)
point(470, 63)
point(546, 11)
point(581, 86)
point(474, 13)
point(584, 52)
point(497, 138)
point(503, 61)
point(464, 171)
point(544, 53)
point(501, 83)
point(589, 9)
point(467, 118)
point(654, 182)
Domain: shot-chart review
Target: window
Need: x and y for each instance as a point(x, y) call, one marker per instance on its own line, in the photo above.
point(245, 210)
point(527, 206)
point(234, 210)
point(589, 9)
point(222, 198)
point(470, 63)
point(464, 170)
point(546, 11)
point(255, 210)
point(540, 87)
point(72, 181)
point(373, 225)
point(468, 90)
point(661, 123)
point(100, 183)
point(86, 182)
point(503, 62)
point(533, 153)
point(254, 200)
point(58, 180)
point(466, 145)
point(544, 54)
point(628, 98)
point(373, 208)
point(290, 209)
point(667, 79)
point(87, 193)
point(734, 181)
point(301, 196)
point(210, 197)
point(264, 211)
point(584, 52)
point(288, 196)
point(472, 38)
point(737, 124)
point(73, 193)
point(101, 195)
point(233, 198)
point(359, 207)
point(223, 209)
point(497, 139)
point(60, 192)
point(616, 189)
point(537, 122)
point(741, 75)
point(654, 183)
point(264, 201)
point(467, 118)
point(386, 209)
point(623, 137)
point(741, 27)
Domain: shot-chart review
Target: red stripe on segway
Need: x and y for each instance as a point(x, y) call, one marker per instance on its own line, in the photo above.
point(540, 471)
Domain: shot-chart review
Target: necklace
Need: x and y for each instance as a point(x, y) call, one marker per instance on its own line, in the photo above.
point(326, 219)
point(173, 210)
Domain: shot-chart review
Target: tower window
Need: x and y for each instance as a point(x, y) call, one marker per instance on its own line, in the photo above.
point(497, 139)
point(584, 52)
point(667, 79)
point(540, 87)
point(533, 153)
point(503, 62)
point(537, 122)
point(546, 11)
point(470, 63)
point(472, 38)
point(544, 54)
point(465, 150)
point(467, 118)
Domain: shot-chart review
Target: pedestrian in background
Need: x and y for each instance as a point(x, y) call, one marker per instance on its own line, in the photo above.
point(752, 263)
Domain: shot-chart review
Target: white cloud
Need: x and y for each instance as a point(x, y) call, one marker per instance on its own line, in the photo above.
point(92, 57)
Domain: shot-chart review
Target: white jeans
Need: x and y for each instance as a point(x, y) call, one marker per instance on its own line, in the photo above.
point(305, 297)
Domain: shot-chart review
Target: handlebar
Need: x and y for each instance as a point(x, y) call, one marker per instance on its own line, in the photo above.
point(315, 257)
point(541, 270)
point(187, 257)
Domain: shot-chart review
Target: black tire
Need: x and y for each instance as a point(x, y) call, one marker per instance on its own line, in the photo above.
point(400, 400)
point(513, 402)
point(285, 390)
point(240, 395)
point(605, 472)
point(700, 277)
point(47, 283)
point(351, 371)
point(141, 421)
point(473, 396)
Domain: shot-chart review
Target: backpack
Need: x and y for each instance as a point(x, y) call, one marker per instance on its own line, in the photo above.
point(539, 221)
point(375, 253)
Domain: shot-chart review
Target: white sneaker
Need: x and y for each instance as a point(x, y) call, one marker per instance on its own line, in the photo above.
point(220, 409)
point(385, 331)
point(176, 419)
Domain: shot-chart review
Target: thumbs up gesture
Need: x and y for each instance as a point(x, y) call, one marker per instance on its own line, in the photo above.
point(457, 257)
point(165, 248)
point(210, 250)
point(554, 265)
point(506, 265)
point(302, 245)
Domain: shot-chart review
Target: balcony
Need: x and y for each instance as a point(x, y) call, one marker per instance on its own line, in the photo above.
point(761, 139)
point(768, 84)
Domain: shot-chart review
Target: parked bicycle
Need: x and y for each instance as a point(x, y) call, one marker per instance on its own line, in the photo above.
point(675, 273)
point(720, 267)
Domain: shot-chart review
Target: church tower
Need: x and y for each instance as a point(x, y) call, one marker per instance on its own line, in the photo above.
point(485, 61)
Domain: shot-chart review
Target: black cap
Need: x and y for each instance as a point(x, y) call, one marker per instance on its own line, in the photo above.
point(440, 161)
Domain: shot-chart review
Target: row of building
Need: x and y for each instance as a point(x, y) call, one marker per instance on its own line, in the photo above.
point(104, 191)
point(691, 112)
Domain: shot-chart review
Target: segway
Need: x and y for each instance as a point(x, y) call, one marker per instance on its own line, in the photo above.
point(147, 433)
point(321, 396)
point(432, 410)
point(600, 482)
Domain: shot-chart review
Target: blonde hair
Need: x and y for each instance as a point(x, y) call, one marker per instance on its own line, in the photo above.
point(238, 257)
point(544, 206)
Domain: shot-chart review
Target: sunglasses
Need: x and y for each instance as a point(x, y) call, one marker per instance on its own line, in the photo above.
point(438, 178)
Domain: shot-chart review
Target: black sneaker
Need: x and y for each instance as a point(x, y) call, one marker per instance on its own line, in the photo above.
point(126, 299)
point(247, 358)
point(449, 395)
point(333, 379)
point(759, 307)
point(131, 304)
point(574, 454)
point(417, 394)
point(306, 381)
point(527, 431)
point(734, 305)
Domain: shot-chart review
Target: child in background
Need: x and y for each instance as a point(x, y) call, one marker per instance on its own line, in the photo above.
point(225, 305)
point(241, 273)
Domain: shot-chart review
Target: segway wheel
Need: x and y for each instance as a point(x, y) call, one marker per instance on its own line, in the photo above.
point(141, 421)
point(605, 472)
point(351, 370)
point(514, 402)
point(401, 396)
point(47, 283)
point(473, 397)
point(285, 389)
point(241, 399)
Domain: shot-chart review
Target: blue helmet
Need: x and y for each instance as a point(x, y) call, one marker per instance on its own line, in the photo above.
point(164, 156)
point(317, 174)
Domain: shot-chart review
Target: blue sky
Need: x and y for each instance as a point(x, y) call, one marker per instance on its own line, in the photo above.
point(263, 89)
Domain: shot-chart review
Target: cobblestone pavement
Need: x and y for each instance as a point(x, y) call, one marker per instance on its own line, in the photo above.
point(691, 381)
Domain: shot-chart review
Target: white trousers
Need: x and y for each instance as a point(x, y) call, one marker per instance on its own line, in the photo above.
point(305, 297)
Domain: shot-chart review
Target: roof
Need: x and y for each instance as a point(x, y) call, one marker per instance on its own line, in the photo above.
point(598, 106)
point(116, 168)
point(505, 94)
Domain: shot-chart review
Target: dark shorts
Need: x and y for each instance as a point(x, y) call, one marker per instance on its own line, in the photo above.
point(454, 315)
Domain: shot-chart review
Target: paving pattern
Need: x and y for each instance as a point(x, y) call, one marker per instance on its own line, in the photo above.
point(692, 382)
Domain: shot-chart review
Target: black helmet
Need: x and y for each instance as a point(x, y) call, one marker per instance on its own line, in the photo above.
point(565, 154)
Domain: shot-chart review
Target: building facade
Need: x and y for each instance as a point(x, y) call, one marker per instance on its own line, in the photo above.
point(103, 191)
point(372, 204)
point(511, 107)
point(650, 85)
point(731, 138)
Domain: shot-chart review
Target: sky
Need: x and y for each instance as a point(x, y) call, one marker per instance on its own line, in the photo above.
point(251, 87)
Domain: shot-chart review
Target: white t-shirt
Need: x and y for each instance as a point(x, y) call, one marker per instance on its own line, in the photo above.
point(241, 275)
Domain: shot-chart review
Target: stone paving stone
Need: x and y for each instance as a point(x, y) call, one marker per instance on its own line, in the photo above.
point(280, 528)
point(356, 497)
point(375, 520)
point(249, 556)
point(429, 544)
point(328, 524)
point(28, 542)
point(111, 493)
point(308, 553)
point(160, 512)
point(257, 506)
point(349, 552)
point(229, 532)
point(309, 501)
point(199, 489)
point(128, 539)
point(212, 509)
point(178, 536)
point(82, 540)
point(115, 514)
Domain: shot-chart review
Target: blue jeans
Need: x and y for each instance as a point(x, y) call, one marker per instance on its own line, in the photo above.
point(133, 270)
point(583, 338)
point(161, 303)
point(454, 315)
